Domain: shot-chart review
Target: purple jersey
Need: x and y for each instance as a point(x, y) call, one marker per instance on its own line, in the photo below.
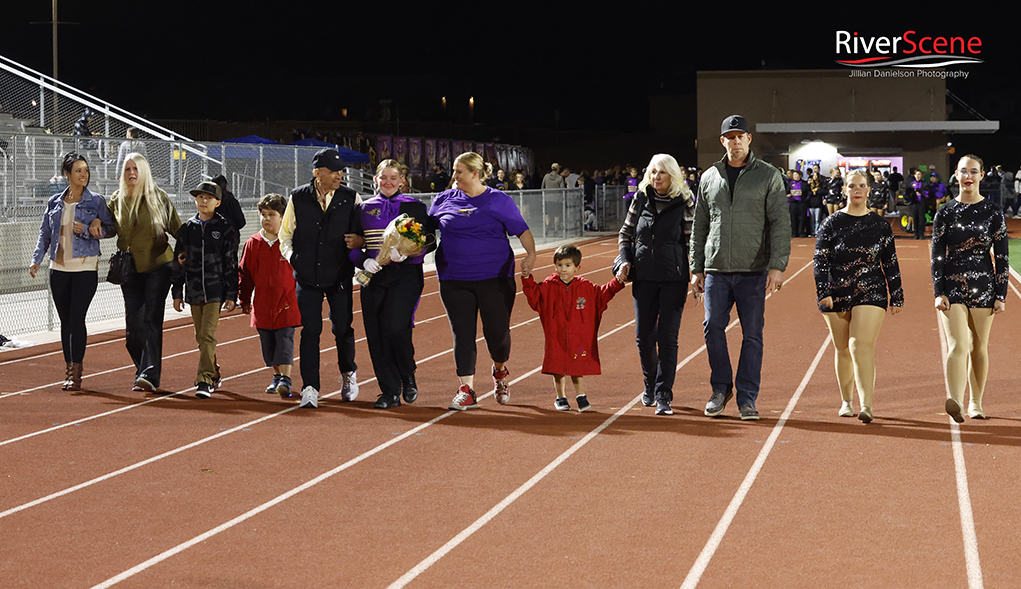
point(473, 234)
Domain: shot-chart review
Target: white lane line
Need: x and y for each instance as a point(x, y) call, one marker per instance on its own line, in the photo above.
point(52, 384)
point(695, 574)
point(499, 507)
point(971, 560)
point(180, 449)
point(285, 496)
point(104, 414)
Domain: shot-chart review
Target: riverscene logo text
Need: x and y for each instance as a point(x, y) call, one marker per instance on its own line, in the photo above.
point(909, 50)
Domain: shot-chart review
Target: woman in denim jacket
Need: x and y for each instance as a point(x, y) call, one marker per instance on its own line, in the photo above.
point(74, 221)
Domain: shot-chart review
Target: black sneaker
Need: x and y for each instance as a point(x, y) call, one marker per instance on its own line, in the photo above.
point(718, 402)
point(387, 402)
point(204, 390)
point(583, 404)
point(648, 400)
point(272, 388)
point(663, 408)
point(561, 404)
point(284, 387)
point(409, 388)
point(749, 413)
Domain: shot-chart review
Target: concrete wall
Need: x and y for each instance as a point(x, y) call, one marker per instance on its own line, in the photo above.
point(805, 96)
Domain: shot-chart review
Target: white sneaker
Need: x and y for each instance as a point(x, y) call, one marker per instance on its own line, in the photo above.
point(846, 409)
point(349, 392)
point(309, 397)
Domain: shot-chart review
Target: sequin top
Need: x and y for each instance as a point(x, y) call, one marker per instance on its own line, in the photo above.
point(962, 269)
point(856, 262)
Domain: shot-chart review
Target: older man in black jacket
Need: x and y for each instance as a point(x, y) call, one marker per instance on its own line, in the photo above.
point(319, 226)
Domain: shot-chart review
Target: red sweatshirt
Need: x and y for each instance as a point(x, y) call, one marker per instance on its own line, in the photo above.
point(570, 316)
point(263, 268)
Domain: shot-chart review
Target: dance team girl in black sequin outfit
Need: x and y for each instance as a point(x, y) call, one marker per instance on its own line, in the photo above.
point(856, 277)
point(969, 279)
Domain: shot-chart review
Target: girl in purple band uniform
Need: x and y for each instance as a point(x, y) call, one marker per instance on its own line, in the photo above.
point(475, 265)
point(389, 300)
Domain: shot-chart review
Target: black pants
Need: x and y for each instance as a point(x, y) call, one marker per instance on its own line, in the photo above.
point(72, 295)
point(388, 311)
point(467, 300)
point(145, 299)
point(310, 304)
point(799, 218)
point(658, 308)
point(918, 211)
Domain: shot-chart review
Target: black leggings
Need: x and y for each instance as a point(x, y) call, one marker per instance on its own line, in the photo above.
point(467, 300)
point(72, 295)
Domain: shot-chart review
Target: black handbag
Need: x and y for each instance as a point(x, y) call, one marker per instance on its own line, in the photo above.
point(122, 268)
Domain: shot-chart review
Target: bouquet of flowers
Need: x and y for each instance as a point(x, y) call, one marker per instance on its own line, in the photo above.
point(403, 233)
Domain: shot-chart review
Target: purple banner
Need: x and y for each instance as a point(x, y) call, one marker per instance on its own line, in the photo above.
point(384, 144)
point(400, 152)
point(430, 154)
point(415, 156)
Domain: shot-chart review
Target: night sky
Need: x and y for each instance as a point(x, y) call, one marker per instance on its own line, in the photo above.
point(596, 67)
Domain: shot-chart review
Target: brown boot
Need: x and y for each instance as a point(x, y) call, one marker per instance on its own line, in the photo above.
point(67, 377)
point(75, 380)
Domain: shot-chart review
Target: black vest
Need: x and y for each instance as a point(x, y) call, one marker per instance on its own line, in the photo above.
point(320, 257)
point(661, 249)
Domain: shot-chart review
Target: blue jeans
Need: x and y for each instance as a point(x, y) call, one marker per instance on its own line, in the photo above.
point(722, 291)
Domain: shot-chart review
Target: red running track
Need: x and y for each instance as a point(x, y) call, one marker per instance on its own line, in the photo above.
point(112, 488)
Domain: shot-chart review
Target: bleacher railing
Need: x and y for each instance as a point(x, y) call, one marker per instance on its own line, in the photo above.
point(30, 174)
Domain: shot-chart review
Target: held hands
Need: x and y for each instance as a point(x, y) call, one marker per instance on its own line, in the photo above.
point(371, 266)
point(179, 305)
point(527, 264)
point(623, 271)
point(246, 308)
point(943, 304)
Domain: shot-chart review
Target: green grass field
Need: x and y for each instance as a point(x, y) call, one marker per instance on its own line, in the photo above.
point(1015, 254)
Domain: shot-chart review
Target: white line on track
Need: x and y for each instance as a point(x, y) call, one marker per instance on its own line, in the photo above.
point(218, 435)
point(285, 496)
point(971, 560)
point(695, 574)
point(499, 507)
point(243, 517)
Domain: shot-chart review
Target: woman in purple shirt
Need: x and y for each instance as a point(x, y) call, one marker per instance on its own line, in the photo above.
point(475, 265)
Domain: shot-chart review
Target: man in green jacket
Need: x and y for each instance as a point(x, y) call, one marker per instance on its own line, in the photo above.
point(740, 245)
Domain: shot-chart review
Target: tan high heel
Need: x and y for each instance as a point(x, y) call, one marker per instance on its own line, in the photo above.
point(74, 381)
point(67, 378)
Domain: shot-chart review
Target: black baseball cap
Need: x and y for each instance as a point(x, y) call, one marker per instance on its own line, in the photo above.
point(328, 158)
point(734, 123)
point(210, 188)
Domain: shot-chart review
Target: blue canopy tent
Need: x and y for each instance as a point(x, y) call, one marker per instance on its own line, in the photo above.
point(348, 155)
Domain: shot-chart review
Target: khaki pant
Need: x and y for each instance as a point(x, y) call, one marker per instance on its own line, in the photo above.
point(205, 317)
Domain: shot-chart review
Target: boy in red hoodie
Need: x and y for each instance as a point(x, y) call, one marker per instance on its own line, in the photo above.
point(264, 269)
point(570, 309)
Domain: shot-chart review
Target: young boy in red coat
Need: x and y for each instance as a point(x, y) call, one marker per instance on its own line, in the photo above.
point(570, 309)
point(264, 269)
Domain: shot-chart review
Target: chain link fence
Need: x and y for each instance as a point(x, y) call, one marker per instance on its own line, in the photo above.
point(30, 174)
